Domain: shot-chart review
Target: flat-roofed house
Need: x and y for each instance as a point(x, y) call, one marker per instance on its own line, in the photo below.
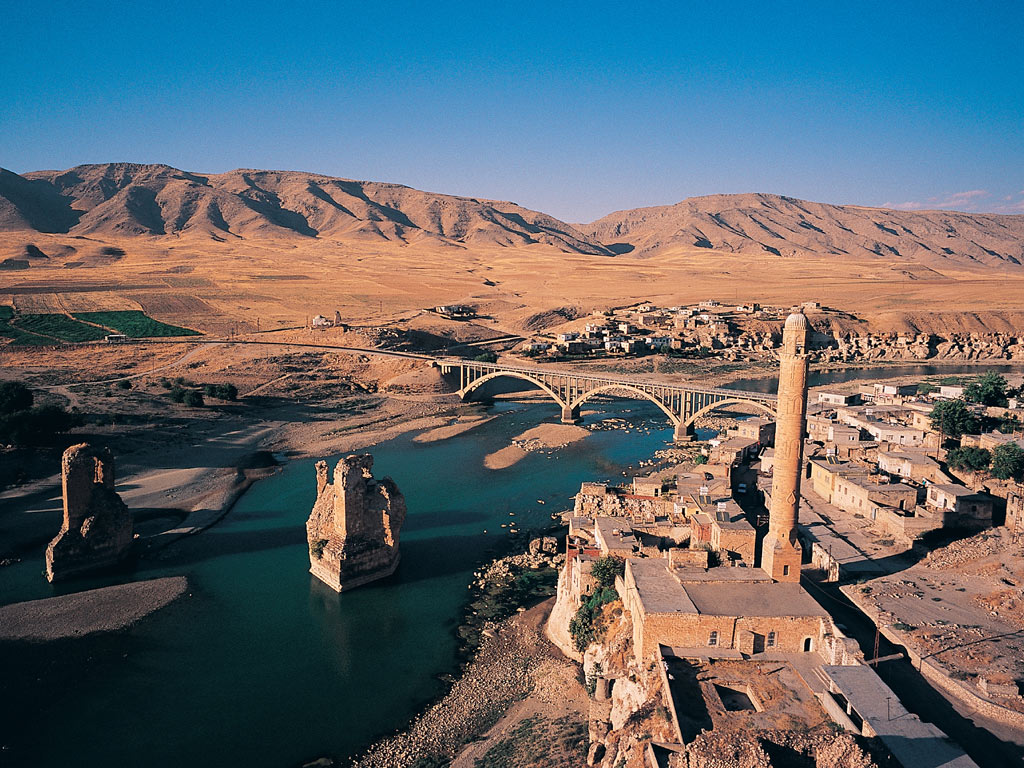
point(732, 614)
point(912, 466)
point(958, 504)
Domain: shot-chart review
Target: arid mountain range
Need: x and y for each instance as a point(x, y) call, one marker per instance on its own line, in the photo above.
point(118, 200)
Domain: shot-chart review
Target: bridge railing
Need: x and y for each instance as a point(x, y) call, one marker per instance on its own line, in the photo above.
point(624, 381)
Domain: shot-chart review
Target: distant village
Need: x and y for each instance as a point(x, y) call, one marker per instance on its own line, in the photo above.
point(750, 331)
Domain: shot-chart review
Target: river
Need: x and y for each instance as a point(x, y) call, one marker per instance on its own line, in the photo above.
point(262, 666)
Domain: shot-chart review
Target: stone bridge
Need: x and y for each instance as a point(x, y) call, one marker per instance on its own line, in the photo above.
point(682, 404)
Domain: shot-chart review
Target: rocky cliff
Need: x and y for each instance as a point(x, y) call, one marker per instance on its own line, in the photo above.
point(353, 529)
point(97, 530)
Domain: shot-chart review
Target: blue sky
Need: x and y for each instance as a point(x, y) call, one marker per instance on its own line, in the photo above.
point(576, 109)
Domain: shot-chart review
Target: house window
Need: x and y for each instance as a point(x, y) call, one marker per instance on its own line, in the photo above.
point(770, 640)
point(713, 639)
point(785, 570)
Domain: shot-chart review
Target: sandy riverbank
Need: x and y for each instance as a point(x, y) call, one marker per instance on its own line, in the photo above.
point(462, 425)
point(542, 437)
point(83, 613)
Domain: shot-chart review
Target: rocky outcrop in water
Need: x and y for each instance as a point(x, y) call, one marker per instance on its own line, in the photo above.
point(353, 529)
point(97, 530)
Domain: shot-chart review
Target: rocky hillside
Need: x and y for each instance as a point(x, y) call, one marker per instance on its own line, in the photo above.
point(761, 224)
point(124, 199)
point(115, 200)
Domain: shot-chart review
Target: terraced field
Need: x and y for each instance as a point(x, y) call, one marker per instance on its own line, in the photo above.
point(133, 323)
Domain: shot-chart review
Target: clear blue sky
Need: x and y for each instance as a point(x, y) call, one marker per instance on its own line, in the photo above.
point(573, 109)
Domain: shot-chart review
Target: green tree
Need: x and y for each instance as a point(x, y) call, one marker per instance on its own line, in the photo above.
point(486, 357)
point(972, 459)
point(14, 396)
point(606, 569)
point(953, 418)
point(1008, 462)
point(987, 389)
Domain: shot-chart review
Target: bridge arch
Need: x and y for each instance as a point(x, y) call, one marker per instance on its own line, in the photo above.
point(728, 401)
point(640, 395)
point(476, 383)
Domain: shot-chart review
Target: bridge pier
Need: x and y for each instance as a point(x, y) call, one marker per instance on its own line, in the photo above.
point(570, 415)
point(683, 432)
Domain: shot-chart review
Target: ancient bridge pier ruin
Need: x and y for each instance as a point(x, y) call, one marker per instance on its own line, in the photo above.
point(682, 404)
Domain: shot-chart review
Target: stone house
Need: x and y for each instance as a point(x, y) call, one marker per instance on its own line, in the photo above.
point(760, 429)
point(912, 466)
point(745, 611)
point(957, 504)
point(839, 398)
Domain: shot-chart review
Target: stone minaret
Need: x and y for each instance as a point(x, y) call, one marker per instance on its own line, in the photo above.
point(780, 551)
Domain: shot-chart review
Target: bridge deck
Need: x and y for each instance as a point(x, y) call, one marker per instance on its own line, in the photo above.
point(587, 378)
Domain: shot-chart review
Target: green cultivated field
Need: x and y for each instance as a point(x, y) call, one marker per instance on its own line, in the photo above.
point(134, 323)
point(59, 327)
point(17, 335)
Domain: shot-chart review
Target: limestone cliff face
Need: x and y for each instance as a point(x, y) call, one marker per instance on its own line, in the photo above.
point(97, 530)
point(353, 529)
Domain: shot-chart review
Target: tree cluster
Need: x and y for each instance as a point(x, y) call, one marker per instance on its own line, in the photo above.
point(25, 424)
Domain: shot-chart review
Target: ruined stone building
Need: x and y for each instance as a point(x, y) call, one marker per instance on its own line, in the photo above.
point(97, 529)
point(354, 527)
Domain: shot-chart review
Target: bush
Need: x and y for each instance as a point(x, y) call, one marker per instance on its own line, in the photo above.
point(14, 396)
point(586, 627)
point(194, 398)
point(606, 569)
point(177, 394)
point(972, 459)
point(124, 384)
point(221, 391)
point(700, 459)
point(486, 357)
point(317, 548)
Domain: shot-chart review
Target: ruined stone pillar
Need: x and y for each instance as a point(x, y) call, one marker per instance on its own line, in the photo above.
point(780, 551)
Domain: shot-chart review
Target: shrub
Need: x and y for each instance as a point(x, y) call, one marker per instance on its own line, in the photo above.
point(700, 459)
point(124, 384)
point(194, 398)
point(221, 391)
point(586, 627)
point(317, 548)
point(486, 357)
point(606, 569)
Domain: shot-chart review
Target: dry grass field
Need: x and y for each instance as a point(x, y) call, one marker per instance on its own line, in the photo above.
point(219, 287)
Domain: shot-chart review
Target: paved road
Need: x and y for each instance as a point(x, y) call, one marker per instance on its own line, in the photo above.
point(916, 693)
